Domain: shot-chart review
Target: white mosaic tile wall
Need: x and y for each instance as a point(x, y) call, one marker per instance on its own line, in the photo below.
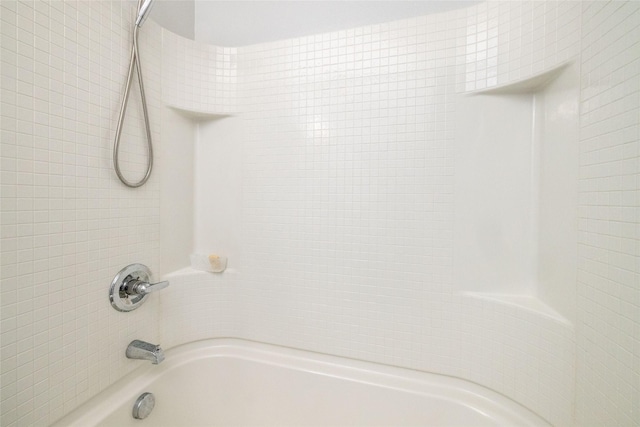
point(347, 189)
point(507, 41)
point(197, 76)
point(210, 302)
point(530, 358)
point(67, 224)
point(608, 376)
point(347, 201)
point(347, 205)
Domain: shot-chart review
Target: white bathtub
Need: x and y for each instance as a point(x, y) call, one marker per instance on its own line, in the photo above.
point(227, 382)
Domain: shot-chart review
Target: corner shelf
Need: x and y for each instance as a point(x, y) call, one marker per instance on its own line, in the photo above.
point(199, 115)
point(525, 302)
point(527, 85)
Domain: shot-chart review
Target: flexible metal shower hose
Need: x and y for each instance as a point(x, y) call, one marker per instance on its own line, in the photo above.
point(134, 63)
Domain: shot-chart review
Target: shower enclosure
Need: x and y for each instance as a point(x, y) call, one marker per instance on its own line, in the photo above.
point(453, 193)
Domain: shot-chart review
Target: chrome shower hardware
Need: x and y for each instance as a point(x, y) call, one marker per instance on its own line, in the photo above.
point(143, 406)
point(143, 350)
point(143, 12)
point(131, 287)
point(134, 62)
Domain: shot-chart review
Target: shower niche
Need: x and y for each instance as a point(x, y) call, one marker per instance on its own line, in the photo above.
point(193, 200)
point(516, 173)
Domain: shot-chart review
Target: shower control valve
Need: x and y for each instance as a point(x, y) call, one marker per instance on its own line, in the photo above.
point(132, 286)
point(139, 287)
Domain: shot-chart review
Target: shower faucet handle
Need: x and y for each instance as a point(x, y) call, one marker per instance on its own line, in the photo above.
point(132, 286)
point(140, 287)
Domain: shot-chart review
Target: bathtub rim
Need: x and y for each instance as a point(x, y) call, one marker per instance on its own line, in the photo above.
point(464, 392)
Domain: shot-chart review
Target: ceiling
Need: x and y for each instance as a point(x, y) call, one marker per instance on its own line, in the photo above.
point(240, 23)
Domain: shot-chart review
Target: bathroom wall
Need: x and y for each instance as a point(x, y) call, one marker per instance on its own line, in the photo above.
point(347, 206)
point(67, 224)
point(347, 203)
point(608, 378)
point(334, 156)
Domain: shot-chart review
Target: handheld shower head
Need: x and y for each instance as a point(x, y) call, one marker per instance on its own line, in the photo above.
point(143, 13)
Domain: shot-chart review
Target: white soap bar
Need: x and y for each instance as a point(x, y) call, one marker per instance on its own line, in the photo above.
point(209, 262)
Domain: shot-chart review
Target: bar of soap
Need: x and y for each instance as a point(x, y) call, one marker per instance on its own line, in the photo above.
point(217, 263)
point(212, 262)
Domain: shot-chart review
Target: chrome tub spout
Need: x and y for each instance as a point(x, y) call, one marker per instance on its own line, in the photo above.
point(145, 351)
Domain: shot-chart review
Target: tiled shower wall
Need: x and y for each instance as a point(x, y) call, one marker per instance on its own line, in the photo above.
point(347, 202)
point(608, 375)
point(348, 197)
point(347, 190)
point(67, 224)
point(198, 76)
point(507, 41)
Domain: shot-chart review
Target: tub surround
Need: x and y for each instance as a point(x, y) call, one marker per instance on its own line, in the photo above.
point(341, 208)
point(349, 229)
point(335, 172)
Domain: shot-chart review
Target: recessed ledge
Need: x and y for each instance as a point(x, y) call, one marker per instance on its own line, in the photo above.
point(199, 115)
point(189, 271)
point(523, 86)
point(525, 302)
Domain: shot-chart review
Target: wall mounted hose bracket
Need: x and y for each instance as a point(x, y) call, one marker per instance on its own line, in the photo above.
point(131, 287)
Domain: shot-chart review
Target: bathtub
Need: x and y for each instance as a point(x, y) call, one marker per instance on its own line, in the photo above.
point(229, 382)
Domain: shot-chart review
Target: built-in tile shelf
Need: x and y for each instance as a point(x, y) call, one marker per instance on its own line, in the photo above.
point(190, 271)
point(531, 84)
point(516, 193)
point(200, 115)
point(525, 302)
